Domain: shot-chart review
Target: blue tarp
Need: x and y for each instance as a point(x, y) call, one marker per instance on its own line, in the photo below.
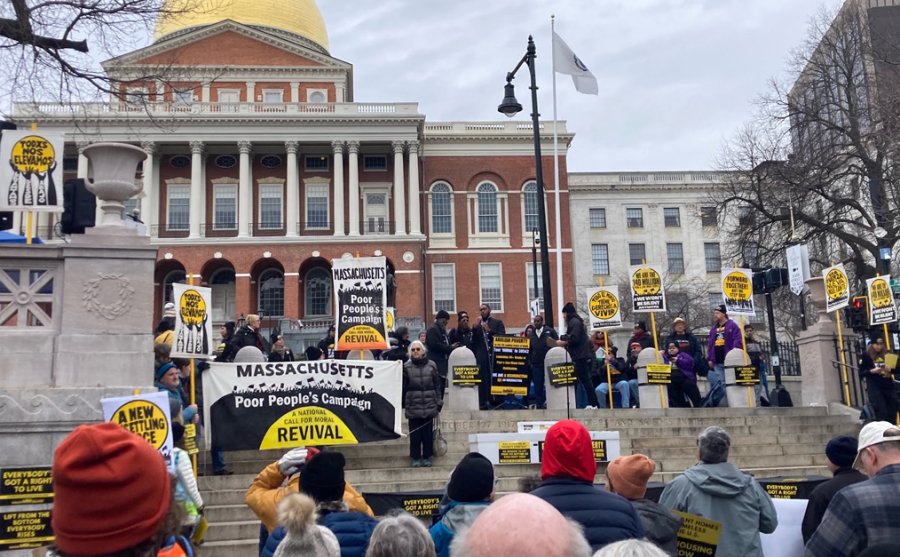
point(7, 237)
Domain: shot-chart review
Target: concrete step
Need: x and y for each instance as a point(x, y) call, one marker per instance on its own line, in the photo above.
point(747, 462)
point(233, 530)
point(228, 513)
point(737, 451)
point(230, 548)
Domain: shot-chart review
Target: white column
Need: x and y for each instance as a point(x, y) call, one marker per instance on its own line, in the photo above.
point(251, 92)
point(399, 194)
point(150, 209)
point(198, 197)
point(338, 147)
point(293, 188)
point(295, 91)
point(204, 93)
point(83, 161)
point(339, 93)
point(353, 195)
point(245, 202)
point(415, 227)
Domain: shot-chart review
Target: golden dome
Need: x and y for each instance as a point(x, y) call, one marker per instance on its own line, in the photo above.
point(301, 17)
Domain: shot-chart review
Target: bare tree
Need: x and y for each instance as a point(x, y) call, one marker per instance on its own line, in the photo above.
point(817, 164)
point(52, 49)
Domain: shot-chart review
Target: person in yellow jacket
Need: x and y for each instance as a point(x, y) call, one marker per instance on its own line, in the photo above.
point(269, 488)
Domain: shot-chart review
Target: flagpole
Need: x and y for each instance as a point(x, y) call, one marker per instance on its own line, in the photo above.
point(559, 273)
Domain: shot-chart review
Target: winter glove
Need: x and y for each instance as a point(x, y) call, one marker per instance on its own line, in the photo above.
point(292, 461)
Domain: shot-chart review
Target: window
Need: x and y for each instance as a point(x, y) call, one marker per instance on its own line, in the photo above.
point(637, 254)
point(317, 96)
point(443, 287)
point(180, 161)
point(600, 259)
point(315, 163)
point(635, 218)
point(270, 206)
point(530, 274)
point(226, 161)
point(70, 164)
point(678, 304)
point(708, 216)
point(273, 96)
point(745, 215)
point(441, 209)
point(671, 216)
point(270, 161)
point(224, 206)
point(374, 163)
point(491, 280)
point(179, 207)
point(598, 218)
point(530, 209)
point(487, 208)
point(229, 99)
point(271, 293)
point(376, 213)
point(713, 257)
point(675, 256)
point(715, 299)
point(316, 206)
point(173, 277)
point(184, 97)
point(131, 204)
point(317, 292)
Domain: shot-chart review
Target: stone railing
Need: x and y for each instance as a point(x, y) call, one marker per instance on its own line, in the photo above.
point(24, 110)
point(490, 128)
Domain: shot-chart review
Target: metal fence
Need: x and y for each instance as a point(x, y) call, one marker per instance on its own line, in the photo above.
point(788, 354)
point(852, 350)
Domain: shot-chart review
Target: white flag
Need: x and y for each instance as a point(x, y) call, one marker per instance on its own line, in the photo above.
point(565, 61)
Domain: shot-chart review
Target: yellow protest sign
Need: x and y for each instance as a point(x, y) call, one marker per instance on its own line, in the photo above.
point(514, 452)
point(31, 171)
point(737, 289)
point(698, 536)
point(603, 306)
point(647, 293)
point(881, 301)
point(837, 288)
point(146, 415)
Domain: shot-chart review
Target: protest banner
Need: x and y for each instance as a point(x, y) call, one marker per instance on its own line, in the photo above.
point(146, 415)
point(603, 307)
point(31, 171)
point(562, 375)
point(737, 289)
point(647, 293)
point(360, 302)
point(193, 322)
point(511, 373)
point(26, 529)
point(467, 376)
point(698, 536)
point(281, 405)
point(837, 288)
point(881, 300)
point(25, 485)
point(659, 374)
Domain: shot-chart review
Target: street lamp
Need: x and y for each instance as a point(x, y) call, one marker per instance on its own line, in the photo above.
point(535, 240)
point(510, 107)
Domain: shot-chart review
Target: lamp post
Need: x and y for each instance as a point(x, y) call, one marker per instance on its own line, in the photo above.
point(534, 274)
point(510, 107)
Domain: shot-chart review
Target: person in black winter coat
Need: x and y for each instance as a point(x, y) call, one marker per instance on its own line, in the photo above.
point(628, 476)
point(841, 452)
point(438, 345)
point(688, 344)
point(422, 401)
point(567, 470)
point(248, 335)
point(483, 333)
point(578, 346)
point(538, 348)
point(879, 380)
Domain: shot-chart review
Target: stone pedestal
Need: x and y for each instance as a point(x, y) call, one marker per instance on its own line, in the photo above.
point(651, 396)
point(738, 396)
point(822, 379)
point(461, 398)
point(558, 398)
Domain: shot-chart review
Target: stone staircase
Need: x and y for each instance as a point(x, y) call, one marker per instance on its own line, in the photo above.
point(766, 442)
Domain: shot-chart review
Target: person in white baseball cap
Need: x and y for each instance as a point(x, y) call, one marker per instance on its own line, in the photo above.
point(864, 514)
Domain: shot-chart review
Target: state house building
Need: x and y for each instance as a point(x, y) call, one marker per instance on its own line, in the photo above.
point(262, 167)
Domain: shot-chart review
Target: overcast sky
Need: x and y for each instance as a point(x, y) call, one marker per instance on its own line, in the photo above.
point(676, 77)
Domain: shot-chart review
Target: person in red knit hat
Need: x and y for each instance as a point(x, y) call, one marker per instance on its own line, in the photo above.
point(112, 495)
point(568, 468)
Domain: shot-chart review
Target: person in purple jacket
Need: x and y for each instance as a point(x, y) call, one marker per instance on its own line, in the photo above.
point(724, 336)
point(684, 380)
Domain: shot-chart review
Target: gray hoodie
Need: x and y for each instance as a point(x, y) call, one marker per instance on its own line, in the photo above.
point(723, 493)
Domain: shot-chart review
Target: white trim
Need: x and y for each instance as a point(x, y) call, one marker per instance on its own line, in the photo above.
point(409, 272)
point(481, 288)
point(244, 275)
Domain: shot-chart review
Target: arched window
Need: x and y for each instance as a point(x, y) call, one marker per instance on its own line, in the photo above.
point(530, 216)
point(317, 292)
point(441, 209)
point(173, 277)
point(221, 284)
point(271, 293)
point(487, 208)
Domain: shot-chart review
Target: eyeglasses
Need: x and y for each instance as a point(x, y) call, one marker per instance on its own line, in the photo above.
point(415, 350)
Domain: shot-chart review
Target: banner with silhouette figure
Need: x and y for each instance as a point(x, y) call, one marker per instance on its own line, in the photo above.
point(281, 405)
point(193, 322)
point(360, 303)
point(31, 171)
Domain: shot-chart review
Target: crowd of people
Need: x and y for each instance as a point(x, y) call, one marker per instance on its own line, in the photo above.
point(114, 496)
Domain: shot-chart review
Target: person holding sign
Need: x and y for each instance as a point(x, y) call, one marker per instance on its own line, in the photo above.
point(578, 346)
point(684, 382)
point(486, 328)
point(878, 374)
point(186, 492)
point(612, 367)
point(724, 336)
point(718, 490)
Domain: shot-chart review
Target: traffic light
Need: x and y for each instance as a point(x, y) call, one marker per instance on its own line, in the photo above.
point(776, 278)
point(858, 313)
